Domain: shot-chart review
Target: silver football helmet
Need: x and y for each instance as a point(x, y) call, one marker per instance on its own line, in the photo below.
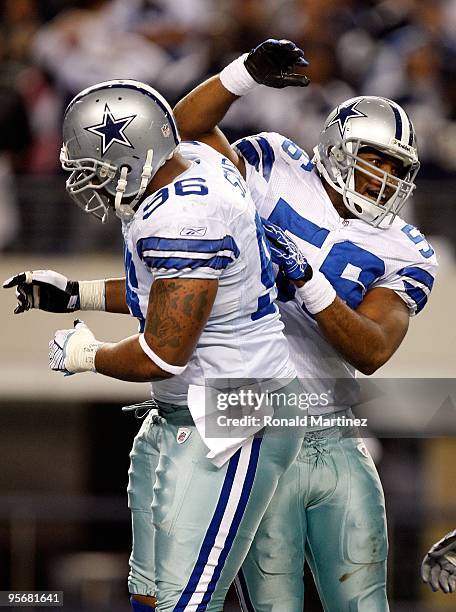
point(376, 123)
point(116, 135)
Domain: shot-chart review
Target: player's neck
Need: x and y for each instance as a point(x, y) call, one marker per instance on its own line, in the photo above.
point(337, 201)
point(168, 172)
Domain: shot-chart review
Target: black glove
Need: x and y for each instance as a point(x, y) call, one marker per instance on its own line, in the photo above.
point(44, 289)
point(272, 61)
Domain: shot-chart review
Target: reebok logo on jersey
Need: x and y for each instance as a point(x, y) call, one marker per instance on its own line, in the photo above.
point(183, 435)
point(193, 231)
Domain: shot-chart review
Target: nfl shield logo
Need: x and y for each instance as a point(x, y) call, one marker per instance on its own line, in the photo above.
point(183, 434)
point(363, 450)
point(166, 130)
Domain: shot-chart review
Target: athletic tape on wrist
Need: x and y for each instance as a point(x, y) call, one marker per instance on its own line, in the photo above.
point(317, 294)
point(92, 295)
point(236, 78)
point(167, 367)
point(81, 357)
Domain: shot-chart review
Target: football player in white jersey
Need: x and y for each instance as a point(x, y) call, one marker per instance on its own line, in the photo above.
point(371, 272)
point(199, 280)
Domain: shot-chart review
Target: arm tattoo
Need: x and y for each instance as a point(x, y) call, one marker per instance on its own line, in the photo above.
point(176, 309)
point(202, 302)
point(163, 324)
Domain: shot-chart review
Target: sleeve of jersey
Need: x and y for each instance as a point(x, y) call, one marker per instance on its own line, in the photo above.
point(413, 283)
point(259, 152)
point(192, 149)
point(185, 248)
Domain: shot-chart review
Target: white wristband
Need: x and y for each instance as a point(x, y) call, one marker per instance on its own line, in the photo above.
point(236, 78)
point(317, 294)
point(92, 295)
point(167, 367)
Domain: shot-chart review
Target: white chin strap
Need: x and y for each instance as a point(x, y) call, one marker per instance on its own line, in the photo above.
point(126, 211)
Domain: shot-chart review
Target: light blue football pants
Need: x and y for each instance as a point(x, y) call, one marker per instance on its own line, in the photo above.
point(193, 523)
point(329, 506)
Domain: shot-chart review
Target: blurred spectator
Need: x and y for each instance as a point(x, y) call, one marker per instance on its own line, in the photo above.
point(402, 49)
point(158, 42)
point(14, 138)
point(81, 47)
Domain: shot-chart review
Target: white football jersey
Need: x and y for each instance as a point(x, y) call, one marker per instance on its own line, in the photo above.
point(204, 225)
point(353, 255)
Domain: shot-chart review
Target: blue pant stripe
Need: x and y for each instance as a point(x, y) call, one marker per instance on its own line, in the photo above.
point(245, 494)
point(211, 534)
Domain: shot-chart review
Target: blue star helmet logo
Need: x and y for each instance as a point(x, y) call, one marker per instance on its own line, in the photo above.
point(111, 130)
point(344, 113)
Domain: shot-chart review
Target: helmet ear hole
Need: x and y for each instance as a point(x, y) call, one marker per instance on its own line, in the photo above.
point(337, 153)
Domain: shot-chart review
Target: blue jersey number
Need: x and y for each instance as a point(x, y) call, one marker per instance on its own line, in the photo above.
point(131, 283)
point(233, 177)
point(416, 237)
point(265, 306)
point(190, 186)
point(295, 152)
point(349, 268)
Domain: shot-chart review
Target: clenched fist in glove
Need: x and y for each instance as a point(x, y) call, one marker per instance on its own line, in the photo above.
point(271, 63)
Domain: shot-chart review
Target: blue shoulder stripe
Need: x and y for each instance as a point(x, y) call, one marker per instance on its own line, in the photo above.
point(249, 153)
point(219, 262)
point(267, 156)
point(419, 275)
point(417, 295)
point(157, 243)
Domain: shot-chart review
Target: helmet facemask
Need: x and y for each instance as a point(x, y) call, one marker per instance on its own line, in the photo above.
point(88, 177)
point(392, 191)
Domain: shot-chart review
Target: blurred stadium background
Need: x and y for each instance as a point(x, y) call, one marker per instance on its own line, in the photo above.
point(64, 444)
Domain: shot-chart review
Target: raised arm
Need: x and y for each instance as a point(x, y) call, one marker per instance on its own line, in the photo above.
point(200, 112)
